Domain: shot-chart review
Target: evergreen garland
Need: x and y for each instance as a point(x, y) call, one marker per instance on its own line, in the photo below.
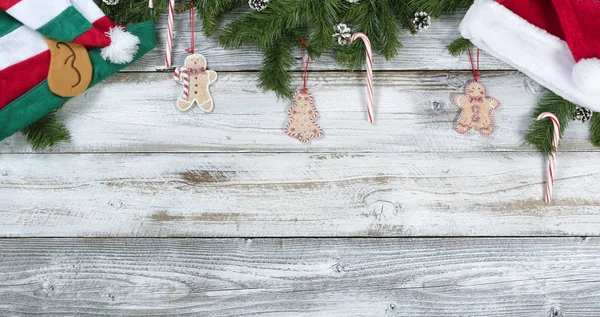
point(540, 132)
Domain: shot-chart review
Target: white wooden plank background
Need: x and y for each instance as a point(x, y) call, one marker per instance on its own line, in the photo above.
point(94, 227)
point(300, 277)
point(277, 195)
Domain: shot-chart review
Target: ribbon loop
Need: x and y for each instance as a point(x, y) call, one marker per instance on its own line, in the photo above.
point(192, 48)
point(476, 71)
point(305, 74)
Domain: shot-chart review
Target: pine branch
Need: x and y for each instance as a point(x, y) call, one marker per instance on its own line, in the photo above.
point(387, 39)
point(459, 46)
point(274, 73)
point(540, 133)
point(595, 129)
point(211, 10)
point(127, 12)
point(436, 8)
point(46, 132)
point(381, 21)
point(326, 16)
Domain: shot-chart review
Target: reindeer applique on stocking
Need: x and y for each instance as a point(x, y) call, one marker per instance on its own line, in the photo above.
point(196, 81)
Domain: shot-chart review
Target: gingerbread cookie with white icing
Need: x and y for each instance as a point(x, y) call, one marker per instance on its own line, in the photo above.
point(196, 80)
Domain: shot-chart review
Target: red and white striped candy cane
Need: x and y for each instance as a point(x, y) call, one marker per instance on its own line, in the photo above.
point(182, 75)
point(552, 156)
point(169, 49)
point(369, 53)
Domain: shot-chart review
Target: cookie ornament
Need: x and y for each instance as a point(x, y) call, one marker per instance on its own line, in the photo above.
point(196, 81)
point(302, 125)
point(194, 76)
point(476, 107)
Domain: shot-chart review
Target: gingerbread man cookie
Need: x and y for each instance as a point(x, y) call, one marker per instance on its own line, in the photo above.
point(476, 110)
point(196, 80)
point(302, 125)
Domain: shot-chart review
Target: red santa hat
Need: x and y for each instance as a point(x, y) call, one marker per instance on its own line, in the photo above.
point(556, 42)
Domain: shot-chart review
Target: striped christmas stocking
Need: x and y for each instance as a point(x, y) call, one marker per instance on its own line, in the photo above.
point(25, 55)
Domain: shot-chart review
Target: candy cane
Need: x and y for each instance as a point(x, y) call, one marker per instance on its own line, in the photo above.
point(552, 156)
point(171, 18)
point(182, 75)
point(368, 52)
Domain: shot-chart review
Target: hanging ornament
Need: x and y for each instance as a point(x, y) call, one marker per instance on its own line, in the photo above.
point(342, 33)
point(476, 108)
point(302, 125)
point(582, 114)
point(422, 21)
point(258, 5)
point(194, 77)
point(111, 2)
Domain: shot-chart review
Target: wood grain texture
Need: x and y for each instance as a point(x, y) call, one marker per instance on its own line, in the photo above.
point(424, 51)
point(300, 277)
point(299, 195)
point(136, 113)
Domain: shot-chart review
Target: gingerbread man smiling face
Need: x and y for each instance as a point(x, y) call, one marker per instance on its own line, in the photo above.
point(476, 110)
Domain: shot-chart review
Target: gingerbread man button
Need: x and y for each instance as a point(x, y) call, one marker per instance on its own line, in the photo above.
point(476, 110)
point(196, 81)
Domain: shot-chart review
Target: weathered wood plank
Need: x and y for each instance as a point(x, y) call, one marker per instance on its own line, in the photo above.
point(136, 113)
point(424, 51)
point(300, 277)
point(280, 195)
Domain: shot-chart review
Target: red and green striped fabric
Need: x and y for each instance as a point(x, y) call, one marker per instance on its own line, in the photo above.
point(25, 57)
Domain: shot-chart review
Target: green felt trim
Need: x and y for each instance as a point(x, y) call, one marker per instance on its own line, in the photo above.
point(39, 101)
point(66, 26)
point(8, 23)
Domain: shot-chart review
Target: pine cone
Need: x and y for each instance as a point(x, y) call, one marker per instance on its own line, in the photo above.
point(421, 21)
point(258, 5)
point(582, 114)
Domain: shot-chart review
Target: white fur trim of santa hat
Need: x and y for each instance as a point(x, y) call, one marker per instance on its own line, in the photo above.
point(533, 51)
point(586, 76)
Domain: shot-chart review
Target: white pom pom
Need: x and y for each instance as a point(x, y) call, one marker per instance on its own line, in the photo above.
point(586, 76)
point(122, 48)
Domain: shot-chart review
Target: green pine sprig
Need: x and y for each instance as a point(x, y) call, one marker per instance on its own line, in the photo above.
point(436, 8)
point(540, 133)
point(595, 129)
point(459, 47)
point(127, 12)
point(46, 132)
